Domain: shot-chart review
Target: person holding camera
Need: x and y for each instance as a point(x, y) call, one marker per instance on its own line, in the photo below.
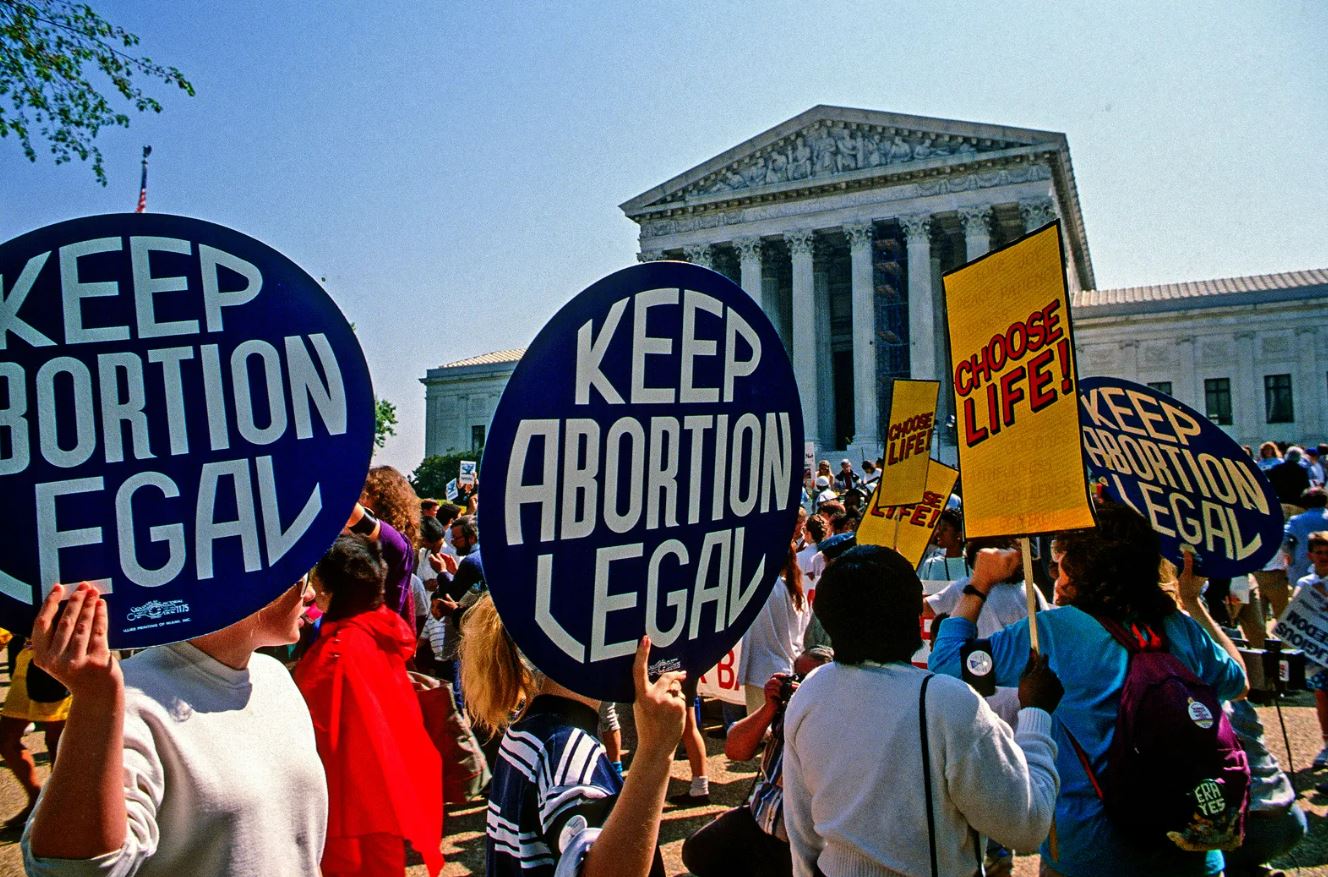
point(946, 768)
point(751, 840)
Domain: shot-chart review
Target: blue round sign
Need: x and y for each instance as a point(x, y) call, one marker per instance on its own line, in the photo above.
point(186, 419)
point(1194, 483)
point(642, 476)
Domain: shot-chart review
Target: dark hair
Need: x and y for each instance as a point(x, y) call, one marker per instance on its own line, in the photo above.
point(869, 601)
point(973, 546)
point(816, 528)
point(954, 518)
point(449, 512)
point(353, 572)
point(792, 575)
point(466, 524)
point(431, 530)
point(1314, 498)
point(1114, 567)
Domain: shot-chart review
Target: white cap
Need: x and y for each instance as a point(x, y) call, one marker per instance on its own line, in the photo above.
point(822, 482)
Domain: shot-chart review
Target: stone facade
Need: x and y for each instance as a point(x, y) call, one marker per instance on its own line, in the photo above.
point(841, 223)
point(1250, 352)
point(460, 398)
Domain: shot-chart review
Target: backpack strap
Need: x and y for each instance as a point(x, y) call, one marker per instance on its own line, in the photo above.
point(926, 770)
point(1134, 639)
point(1084, 761)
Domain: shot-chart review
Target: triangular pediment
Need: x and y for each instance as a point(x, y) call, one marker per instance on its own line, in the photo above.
point(825, 144)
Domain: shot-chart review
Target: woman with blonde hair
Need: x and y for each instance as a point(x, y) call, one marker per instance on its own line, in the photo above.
point(556, 805)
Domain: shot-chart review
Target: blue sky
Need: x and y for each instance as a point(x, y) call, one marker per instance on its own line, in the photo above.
point(453, 170)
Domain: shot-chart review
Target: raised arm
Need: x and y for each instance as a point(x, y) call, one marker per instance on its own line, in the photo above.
point(626, 845)
point(745, 737)
point(82, 811)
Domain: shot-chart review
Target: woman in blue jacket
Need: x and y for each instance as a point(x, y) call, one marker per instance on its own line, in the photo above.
point(1111, 572)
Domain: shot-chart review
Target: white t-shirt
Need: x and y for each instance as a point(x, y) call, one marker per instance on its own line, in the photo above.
point(221, 773)
point(1006, 604)
point(774, 640)
point(936, 567)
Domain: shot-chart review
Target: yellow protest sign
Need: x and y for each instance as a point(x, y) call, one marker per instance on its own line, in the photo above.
point(908, 528)
point(1012, 370)
point(908, 436)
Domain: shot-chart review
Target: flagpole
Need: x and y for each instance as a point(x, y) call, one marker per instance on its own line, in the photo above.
point(143, 183)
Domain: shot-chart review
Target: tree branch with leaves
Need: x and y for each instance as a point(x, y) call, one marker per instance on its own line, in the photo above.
point(49, 49)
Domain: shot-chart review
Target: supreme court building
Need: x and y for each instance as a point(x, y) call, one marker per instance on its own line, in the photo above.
point(840, 222)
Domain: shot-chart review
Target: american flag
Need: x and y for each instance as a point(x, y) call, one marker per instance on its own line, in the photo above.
point(143, 184)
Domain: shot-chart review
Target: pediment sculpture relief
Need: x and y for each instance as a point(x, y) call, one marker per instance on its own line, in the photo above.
point(829, 148)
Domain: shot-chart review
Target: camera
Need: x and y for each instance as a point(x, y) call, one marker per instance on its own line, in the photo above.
point(786, 686)
point(1274, 669)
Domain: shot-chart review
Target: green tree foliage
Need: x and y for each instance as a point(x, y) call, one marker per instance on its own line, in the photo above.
point(48, 51)
point(385, 421)
point(431, 476)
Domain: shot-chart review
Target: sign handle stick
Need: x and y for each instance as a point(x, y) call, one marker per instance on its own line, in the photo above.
point(1031, 588)
point(1026, 547)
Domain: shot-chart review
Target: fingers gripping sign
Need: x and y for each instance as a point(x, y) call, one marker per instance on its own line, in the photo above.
point(660, 708)
point(72, 644)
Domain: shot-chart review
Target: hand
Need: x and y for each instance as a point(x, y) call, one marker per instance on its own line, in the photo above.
point(773, 686)
point(443, 562)
point(660, 709)
point(74, 649)
point(442, 607)
point(1039, 686)
point(993, 566)
point(1191, 586)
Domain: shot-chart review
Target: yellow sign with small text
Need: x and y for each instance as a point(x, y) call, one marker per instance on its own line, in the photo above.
point(908, 437)
point(1012, 371)
point(908, 528)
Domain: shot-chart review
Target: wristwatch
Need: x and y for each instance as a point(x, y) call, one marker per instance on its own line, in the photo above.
point(970, 589)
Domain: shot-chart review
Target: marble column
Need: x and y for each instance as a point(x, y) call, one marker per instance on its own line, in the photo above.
point(700, 254)
point(800, 244)
point(1036, 212)
point(922, 353)
point(749, 252)
point(1189, 387)
point(865, 428)
point(1129, 358)
point(1307, 384)
point(977, 233)
point(1247, 394)
point(825, 379)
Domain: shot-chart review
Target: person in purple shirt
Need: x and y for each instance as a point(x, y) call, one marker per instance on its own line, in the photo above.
point(391, 500)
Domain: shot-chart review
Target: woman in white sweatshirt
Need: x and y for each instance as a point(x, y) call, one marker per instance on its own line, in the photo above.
point(860, 796)
point(197, 759)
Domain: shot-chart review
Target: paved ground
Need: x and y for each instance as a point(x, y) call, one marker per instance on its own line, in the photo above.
point(464, 844)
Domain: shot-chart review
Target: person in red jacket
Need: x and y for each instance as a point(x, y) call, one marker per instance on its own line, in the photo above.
point(384, 775)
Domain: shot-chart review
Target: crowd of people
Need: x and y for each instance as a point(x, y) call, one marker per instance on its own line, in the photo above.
point(303, 738)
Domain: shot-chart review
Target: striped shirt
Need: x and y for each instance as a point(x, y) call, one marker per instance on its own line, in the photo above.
point(767, 798)
point(553, 788)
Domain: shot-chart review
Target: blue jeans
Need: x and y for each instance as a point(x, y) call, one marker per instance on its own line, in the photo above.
point(1267, 836)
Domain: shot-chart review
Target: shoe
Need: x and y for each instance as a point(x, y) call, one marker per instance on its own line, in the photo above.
point(16, 822)
point(1320, 760)
point(687, 799)
point(998, 862)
